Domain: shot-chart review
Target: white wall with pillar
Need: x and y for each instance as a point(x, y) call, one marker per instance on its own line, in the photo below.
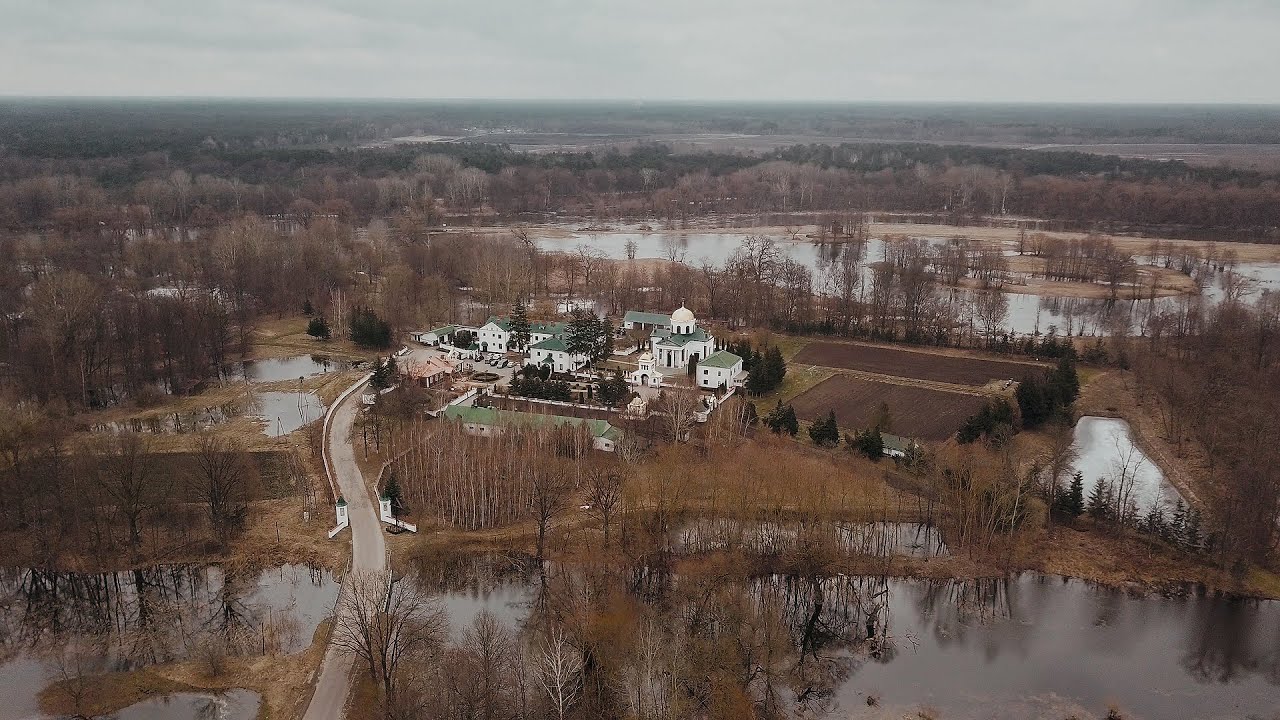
point(340, 511)
point(384, 512)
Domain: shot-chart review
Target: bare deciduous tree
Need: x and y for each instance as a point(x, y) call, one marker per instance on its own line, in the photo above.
point(550, 491)
point(125, 470)
point(559, 666)
point(604, 493)
point(385, 626)
point(679, 408)
point(220, 480)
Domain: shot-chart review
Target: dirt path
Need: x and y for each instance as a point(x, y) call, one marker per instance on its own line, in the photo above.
point(368, 549)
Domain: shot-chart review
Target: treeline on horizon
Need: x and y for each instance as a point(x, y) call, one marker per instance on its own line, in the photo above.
point(957, 185)
point(69, 127)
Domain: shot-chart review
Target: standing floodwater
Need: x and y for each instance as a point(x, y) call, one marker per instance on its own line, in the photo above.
point(231, 705)
point(91, 623)
point(287, 368)
point(1031, 646)
point(284, 412)
point(1105, 451)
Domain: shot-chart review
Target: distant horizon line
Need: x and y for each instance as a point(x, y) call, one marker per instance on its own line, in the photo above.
point(642, 101)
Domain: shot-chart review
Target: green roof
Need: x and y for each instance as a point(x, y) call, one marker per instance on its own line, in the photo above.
point(723, 359)
point(550, 328)
point(646, 318)
point(493, 416)
point(896, 442)
point(445, 330)
point(670, 338)
point(552, 343)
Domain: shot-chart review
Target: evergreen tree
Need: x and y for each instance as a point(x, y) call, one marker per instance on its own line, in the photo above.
point(1042, 398)
point(789, 422)
point(869, 443)
point(383, 371)
point(1033, 404)
point(369, 330)
point(1075, 496)
point(606, 337)
point(612, 391)
point(586, 336)
point(393, 493)
point(1154, 522)
point(776, 366)
point(1191, 537)
point(1065, 381)
point(1178, 523)
point(767, 372)
point(774, 419)
point(818, 431)
point(519, 327)
point(318, 327)
point(1099, 503)
point(307, 307)
point(995, 414)
point(825, 432)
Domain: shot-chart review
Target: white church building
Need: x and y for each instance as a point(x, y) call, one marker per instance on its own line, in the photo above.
point(673, 344)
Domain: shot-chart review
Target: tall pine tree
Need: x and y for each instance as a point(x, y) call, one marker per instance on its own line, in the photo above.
point(1075, 496)
point(520, 329)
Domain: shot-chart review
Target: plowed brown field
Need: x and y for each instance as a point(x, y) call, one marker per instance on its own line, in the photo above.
point(917, 412)
point(910, 364)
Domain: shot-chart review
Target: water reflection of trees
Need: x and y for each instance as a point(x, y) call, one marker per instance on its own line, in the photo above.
point(144, 616)
point(872, 539)
point(1228, 639)
point(659, 644)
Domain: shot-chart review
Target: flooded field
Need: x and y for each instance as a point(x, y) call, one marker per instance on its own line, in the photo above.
point(232, 705)
point(103, 622)
point(289, 368)
point(1105, 451)
point(284, 412)
point(280, 412)
point(1028, 313)
point(188, 421)
point(1027, 646)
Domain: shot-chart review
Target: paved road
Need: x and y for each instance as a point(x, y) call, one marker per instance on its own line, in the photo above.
point(368, 551)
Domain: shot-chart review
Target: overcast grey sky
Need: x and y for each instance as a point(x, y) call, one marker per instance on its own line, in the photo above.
point(966, 50)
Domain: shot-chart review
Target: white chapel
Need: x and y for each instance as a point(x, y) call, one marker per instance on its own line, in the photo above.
point(674, 345)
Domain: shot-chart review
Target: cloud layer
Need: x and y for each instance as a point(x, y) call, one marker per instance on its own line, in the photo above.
point(994, 50)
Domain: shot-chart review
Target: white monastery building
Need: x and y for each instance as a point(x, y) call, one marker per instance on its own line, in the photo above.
point(720, 369)
point(675, 341)
point(682, 340)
